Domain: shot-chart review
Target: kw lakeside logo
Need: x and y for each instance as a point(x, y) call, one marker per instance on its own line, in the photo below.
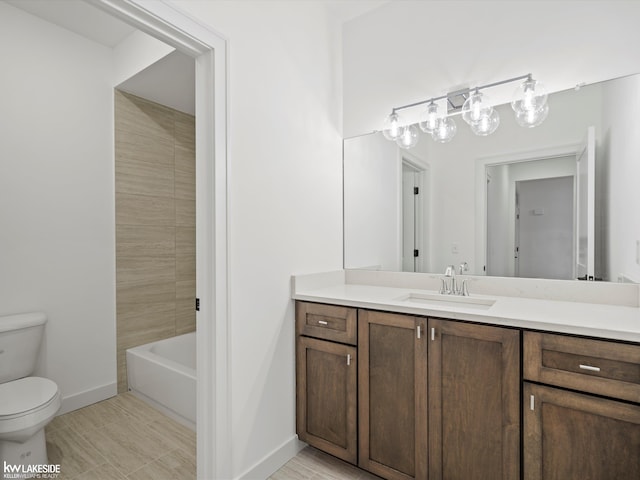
point(30, 471)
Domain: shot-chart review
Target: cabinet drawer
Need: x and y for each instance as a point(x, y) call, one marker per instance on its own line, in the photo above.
point(595, 366)
point(329, 322)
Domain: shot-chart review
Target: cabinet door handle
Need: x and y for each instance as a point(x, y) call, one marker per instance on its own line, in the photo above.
point(348, 359)
point(532, 402)
point(590, 368)
point(433, 334)
point(419, 328)
point(322, 322)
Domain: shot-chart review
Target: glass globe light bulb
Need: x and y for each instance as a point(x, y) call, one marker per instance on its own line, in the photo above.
point(532, 118)
point(445, 130)
point(429, 118)
point(408, 138)
point(392, 127)
point(487, 124)
point(475, 107)
point(530, 95)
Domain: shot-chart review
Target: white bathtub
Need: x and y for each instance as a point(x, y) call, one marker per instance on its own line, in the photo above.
point(163, 373)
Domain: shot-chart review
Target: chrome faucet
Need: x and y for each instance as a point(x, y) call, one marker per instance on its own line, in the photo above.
point(449, 285)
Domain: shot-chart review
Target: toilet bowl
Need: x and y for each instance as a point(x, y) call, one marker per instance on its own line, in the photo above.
point(27, 404)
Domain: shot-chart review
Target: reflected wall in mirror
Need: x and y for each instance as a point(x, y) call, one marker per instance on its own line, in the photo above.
point(516, 203)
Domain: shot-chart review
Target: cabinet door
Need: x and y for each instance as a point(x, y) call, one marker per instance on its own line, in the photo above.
point(474, 402)
point(326, 388)
point(392, 389)
point(570, 435)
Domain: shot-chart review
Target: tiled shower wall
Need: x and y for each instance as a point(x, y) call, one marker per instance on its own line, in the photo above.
point(155, 224)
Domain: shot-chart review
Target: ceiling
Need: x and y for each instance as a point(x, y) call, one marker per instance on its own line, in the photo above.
point(170, 81)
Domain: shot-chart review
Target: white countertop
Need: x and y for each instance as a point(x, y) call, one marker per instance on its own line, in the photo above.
point(581, 318)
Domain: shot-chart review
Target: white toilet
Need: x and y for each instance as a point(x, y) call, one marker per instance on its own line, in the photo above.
point(27, 404)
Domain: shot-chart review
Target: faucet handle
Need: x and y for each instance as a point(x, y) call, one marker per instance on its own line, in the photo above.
point(464, 290)
point(463, 267)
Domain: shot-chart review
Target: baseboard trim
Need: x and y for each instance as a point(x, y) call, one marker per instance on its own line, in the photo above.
point(274, 460)
point(88, 397)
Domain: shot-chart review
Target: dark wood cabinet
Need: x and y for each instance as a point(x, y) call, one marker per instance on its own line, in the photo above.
point(327, 378)
point(327, 397)
point(393, 395)
point(474, 401)
point(570, 435)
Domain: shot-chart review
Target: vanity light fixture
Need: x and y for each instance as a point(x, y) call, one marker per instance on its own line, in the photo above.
point(529, 104)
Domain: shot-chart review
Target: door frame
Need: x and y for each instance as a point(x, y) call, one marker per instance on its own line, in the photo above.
point(167, 23)
point(481, 164)
point(422, 208)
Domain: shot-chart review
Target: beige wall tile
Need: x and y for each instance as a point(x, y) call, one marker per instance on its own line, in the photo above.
point(185, 267)
point(144, 210)
point(185, 130)
point(138, 270)
point(185, 240)
point(155, 224)
point(136, 149)
point(136, 240)
point(139, 324)
point(143, 117)
point(185, 212)
point(186, 290)
point(185, 316)
point(150, 293)
point(145, 179)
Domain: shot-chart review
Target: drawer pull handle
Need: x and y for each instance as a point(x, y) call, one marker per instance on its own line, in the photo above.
point(590, 368)
point(322, 322)
point(419, 332)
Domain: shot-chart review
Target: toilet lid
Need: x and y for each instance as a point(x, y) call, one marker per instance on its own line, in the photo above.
point(25, 394)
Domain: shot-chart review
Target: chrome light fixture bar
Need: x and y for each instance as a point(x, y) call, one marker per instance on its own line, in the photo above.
point(529, 104)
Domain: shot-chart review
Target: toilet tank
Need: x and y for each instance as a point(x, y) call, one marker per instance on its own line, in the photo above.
point(20, 338)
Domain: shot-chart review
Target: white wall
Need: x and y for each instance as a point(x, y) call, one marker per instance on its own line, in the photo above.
point(621, 144)
point(372, 210)
point(56, 197)
point(408, 51)
point(135, 53)
point(285, 200)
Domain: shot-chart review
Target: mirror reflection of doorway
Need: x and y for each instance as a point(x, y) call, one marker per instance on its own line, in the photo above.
point(544, 228)
point(530, 217)
point(414, 216)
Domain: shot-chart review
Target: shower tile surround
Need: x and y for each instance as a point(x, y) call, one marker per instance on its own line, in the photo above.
point(155, 224)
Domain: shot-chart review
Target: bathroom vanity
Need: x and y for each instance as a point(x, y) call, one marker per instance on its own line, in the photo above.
point(407, 383)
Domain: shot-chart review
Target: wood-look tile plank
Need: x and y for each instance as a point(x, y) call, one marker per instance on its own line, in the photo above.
point(102, 472)
point(145, 294)
point(142, 323)
point(185, 130)
point(174, 465)
point(185, 316)
point(145, 118)
point(185, 212)
point(128, 444)
point(185, 240)
point(146, 210)
point(184, 437)
point(65, 447)
point(136, 149)
point(144, 179)
point(185, 267)
point(143, 240)
point(142, 411)
point(94, 416)
point(145, 270)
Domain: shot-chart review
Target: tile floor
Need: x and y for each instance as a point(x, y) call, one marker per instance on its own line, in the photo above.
point(312, 464)
point(121, 438)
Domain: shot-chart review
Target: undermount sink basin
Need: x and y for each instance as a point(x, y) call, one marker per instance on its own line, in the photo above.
point(447, 300)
